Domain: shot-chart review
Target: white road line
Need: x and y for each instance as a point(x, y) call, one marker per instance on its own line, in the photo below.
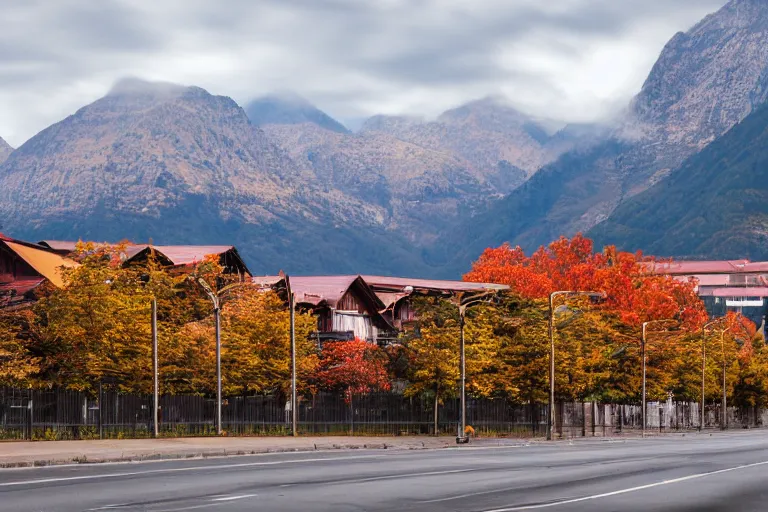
point(179, 470)
point(625, 491)
point(406, 475)
point(233, 498)
point(192, 507)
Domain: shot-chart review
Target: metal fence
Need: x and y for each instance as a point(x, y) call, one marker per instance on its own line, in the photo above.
point(60, 414)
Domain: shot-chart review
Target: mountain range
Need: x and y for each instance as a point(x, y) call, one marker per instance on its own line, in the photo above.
point(293, 188)
point(705, 81)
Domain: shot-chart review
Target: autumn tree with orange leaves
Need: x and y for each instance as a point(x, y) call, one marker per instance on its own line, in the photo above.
point(605, 342)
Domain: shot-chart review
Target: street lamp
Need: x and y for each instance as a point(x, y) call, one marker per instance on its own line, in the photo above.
point(292, 318)
point(216, 301)
point(642, 350)
point(724, 405)
point(704, 365)
point(463, 304)
point(551, 408)
point(217, 319)
point(724, 414)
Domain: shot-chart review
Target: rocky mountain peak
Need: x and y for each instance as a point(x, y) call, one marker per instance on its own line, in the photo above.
point(487, 132)
point(709, 78)
point(491, 109)
point(289, 108)
point(5, 150)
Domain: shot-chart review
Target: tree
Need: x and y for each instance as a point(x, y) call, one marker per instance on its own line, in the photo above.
point(19, 365)
point(432, 346)
point(597, 355)
point(352, 367)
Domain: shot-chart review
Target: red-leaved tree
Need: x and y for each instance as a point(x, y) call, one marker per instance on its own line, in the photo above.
point(353, 367)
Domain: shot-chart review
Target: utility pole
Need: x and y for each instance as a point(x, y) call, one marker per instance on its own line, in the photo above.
point(703, 374)
point(642, 350)
point(724, 422)
point(551, 320)
point(462, 304)
point(217, 317)
point(551, 408)
point(292, 305)
point(155, 371)
point(462, 363)
point(643, 343)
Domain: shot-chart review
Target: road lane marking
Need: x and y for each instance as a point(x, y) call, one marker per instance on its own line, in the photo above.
point(233, 498)
point(179, 470)
point(406, 475)
point(628, 490)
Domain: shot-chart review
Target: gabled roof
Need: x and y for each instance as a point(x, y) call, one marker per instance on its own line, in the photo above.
point(46, 262)
point(60, 246)
point(327, 291)
point(185, 255)
point(396, 284)
point(320, 290)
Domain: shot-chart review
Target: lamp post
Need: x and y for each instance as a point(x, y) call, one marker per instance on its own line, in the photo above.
point(551, 408)
point(704, 366)
point(155, 365)
point(292, 317)
point(642, 351)
point(724, 404)
point(463, 304)
point(724, 421)
point(217, 319)
point(215, 297)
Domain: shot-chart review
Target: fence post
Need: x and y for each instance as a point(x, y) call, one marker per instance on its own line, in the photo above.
point(101, 400)
point(30, 421)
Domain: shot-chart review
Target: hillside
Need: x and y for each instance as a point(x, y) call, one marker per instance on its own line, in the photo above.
point(486, 133)
point(177, 164)
point(722, 59)
point(714, 206)
point(5, 150)
point(421, 190)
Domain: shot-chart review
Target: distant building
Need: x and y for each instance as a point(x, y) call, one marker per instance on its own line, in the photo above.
point(371, 308)
point(187, 256)
point(24, 267)
point(740, 286)
point(178, 256)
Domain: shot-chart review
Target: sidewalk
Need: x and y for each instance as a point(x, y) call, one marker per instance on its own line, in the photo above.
point(43, 453)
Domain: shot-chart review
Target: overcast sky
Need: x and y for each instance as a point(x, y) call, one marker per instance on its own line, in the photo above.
point(573, 60)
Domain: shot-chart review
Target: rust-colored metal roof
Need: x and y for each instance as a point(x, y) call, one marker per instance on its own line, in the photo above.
point(186, 255)
point(757, 267)
point(190, 254)
point(48, 264)
point(59, 245)
point(699, 268)
point(710, 279)
point(733, 291)
point(316, 289)
point(21, 286)
point(399, 283)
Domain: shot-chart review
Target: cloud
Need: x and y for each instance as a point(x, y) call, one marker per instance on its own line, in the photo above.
point(575, 60)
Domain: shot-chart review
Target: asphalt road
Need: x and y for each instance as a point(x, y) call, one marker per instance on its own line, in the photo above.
point(702, 473)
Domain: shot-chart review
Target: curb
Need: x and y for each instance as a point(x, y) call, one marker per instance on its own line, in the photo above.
point(213, 453)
